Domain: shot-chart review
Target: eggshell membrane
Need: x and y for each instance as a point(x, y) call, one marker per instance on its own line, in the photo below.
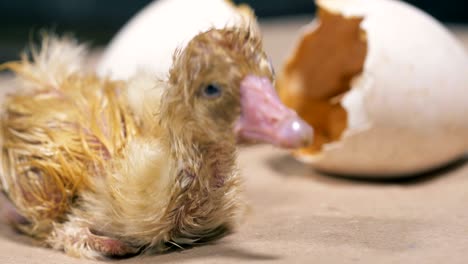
point(149, 40)
point(397, 109)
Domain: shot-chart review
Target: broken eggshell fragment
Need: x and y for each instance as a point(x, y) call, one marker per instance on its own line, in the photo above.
point(385, 87)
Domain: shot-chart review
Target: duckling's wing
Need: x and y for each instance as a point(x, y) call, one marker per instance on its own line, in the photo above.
point(60, 129)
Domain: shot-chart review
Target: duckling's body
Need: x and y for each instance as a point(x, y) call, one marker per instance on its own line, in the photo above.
point(80, 143)
point(101, 168)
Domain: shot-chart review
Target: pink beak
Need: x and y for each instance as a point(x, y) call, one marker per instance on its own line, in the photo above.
point(265, 119)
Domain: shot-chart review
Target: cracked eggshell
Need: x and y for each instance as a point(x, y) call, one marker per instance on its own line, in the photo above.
point(385, 87)
point(149, 40)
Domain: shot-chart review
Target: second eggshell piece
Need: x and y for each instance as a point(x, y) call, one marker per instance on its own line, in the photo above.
point(385, 87)
point(150, 39)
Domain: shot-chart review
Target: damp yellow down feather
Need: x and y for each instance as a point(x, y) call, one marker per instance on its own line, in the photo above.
point(63, 123)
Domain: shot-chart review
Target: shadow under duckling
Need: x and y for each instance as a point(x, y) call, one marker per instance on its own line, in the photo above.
point(102, 168)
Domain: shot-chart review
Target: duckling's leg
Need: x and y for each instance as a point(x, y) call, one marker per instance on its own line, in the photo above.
point(77, 240)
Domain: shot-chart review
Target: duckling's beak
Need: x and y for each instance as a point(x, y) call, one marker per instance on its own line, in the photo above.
point(265, 119)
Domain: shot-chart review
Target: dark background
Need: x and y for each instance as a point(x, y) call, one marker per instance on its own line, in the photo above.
point(99, 20)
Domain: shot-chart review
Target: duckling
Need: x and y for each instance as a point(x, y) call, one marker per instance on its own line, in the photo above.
point(100, 168)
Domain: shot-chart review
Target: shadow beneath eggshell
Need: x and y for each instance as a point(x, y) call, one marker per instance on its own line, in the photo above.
point(408, 179)
point(288, 166)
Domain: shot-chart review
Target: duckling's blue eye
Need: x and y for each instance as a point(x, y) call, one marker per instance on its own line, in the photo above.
point(212, 91)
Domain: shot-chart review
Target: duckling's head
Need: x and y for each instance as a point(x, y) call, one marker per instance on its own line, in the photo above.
point(222, 86)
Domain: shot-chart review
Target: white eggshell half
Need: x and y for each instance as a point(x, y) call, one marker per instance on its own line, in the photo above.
point(408, 110)
point(149, 40)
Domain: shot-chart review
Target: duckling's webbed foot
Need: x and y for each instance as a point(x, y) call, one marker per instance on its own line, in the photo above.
point(79, 241)
point(109, 247)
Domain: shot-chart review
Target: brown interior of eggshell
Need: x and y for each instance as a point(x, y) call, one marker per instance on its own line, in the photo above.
point(319, 73)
